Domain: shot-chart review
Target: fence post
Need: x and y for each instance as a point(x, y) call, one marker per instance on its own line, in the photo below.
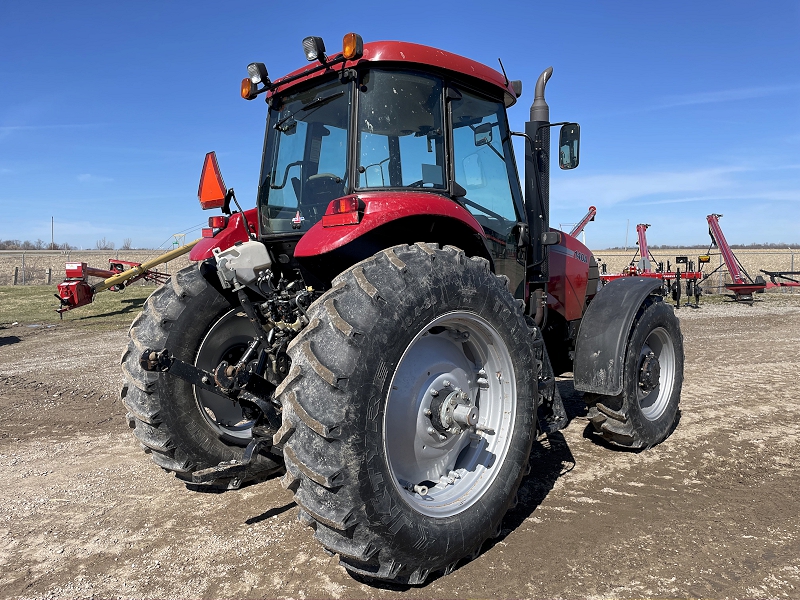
point(16, 273)
point(23, 268)
point(49, 274)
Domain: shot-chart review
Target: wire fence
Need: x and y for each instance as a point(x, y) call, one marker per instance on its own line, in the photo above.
point(47, 267)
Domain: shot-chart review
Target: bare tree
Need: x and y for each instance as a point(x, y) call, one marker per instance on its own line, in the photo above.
point(104, 244)
point(126, 244)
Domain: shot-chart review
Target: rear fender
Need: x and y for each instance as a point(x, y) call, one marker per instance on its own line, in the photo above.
point(444, 231)
point(225, 238)
point(603, 335)
point(381, 209)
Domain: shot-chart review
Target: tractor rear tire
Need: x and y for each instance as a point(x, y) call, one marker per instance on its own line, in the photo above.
point(185, 429)
point(386, 486)
point(646, 412)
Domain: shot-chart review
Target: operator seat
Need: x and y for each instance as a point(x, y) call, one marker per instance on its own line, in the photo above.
point(319, 190)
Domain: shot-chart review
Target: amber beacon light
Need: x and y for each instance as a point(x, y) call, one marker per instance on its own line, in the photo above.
point(352, 46)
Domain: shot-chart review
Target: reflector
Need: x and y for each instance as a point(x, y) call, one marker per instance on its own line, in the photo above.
point(343, 205)
point(218, 222)
point(212, 190)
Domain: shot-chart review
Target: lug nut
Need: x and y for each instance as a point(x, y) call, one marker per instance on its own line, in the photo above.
point(434, 393)
point(431, 430)
point(446, 383)
point(427, 412)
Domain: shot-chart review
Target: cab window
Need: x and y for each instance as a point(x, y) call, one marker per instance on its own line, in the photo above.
point(483, 165)
point(400, 139)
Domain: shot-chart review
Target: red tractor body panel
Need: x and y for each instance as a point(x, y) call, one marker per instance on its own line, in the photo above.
point(381, 208)
point(569, 276)
point(404, 52)
point(225, 238)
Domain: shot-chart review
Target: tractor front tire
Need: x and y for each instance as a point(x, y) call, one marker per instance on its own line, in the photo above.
point(185, 429)
point(646, 412)
point(409, 412)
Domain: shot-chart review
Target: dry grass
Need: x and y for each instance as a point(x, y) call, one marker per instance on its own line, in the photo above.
point(35, 305)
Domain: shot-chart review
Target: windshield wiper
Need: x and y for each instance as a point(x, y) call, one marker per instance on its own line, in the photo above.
point(317, 102)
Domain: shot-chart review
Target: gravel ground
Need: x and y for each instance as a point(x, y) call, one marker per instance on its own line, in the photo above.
point(712, 512)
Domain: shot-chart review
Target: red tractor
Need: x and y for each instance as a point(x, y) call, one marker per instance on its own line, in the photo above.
point(387, 324)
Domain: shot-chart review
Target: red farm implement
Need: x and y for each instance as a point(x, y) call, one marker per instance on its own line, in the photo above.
point(672, 281)
point(76, 290)
point(589, 216)
point(742, 285)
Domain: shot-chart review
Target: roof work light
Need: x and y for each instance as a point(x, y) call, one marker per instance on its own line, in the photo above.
point(258, 73)
point(314, 48)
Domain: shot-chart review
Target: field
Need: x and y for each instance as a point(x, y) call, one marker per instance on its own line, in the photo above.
point(752, 260)
point(38, 262)
point(711, 512)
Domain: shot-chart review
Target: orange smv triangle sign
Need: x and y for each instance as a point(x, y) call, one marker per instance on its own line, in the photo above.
point(212, 188)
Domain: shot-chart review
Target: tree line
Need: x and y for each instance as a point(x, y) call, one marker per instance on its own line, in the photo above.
point(101, 244)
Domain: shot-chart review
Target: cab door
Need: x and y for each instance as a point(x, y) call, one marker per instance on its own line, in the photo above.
point(483, 164)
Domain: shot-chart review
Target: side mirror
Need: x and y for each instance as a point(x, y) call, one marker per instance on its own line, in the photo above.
point(483, 134)
point(569, 141)
point(212, 192)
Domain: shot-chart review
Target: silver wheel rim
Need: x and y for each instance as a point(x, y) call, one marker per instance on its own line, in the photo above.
point(226, 340)
point(655, 402)
point(453, 474)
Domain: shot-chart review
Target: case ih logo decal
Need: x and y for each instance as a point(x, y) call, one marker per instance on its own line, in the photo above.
point(297, 222)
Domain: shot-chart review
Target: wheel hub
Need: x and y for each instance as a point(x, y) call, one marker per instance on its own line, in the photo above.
point(649, 373)
point(447, 423)
point(451, 411)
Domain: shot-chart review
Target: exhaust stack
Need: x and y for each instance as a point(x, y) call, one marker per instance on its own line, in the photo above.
point(540, 111)
point(537, 182)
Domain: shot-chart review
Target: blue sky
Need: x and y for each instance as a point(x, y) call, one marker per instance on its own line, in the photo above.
point(686, 108)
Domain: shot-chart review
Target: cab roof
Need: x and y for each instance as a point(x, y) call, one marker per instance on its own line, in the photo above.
point(398, 53)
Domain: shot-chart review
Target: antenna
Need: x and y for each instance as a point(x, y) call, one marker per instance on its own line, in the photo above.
point(503, 69)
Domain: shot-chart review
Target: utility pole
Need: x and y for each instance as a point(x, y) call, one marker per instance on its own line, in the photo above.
point(52, 237)
point(627, 226)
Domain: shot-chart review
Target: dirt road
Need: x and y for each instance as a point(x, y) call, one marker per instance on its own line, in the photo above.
point(712, 512)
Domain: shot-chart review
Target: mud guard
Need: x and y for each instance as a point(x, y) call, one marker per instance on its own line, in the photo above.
point(605, 327)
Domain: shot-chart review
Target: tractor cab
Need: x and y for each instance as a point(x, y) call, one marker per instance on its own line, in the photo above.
point(399, 120)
